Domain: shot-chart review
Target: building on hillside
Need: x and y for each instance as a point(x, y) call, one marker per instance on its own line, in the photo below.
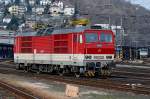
point(45, 2)
point(17, 9)
point(69, 10)
point(59, 4)
point(55, 10)
point(38, 10)
point(13, 10)
point(7, 19)
point(32, 2)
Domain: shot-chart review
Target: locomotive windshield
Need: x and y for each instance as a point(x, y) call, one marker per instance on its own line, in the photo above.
point(105, 38)
point(91, 37)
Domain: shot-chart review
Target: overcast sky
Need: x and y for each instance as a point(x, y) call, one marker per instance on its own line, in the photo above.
point(145, 3)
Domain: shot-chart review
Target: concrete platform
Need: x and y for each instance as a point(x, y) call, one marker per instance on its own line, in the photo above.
point(56, 90)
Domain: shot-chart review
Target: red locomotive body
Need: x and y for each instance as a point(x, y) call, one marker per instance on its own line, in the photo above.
point(79, 51)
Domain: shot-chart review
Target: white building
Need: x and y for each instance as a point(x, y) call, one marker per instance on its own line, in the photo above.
point(45, 2)
point(69, 11)
point(13, 9)
point(7, 19)
point(55, 10)
point(17, 10)
point(32, 2)
point(22, 9)
point(38, 10)
point(59, 4)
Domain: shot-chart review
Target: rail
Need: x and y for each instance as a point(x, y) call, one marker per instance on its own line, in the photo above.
point(17, 91)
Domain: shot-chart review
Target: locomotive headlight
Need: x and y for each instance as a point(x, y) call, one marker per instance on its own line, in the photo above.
point(88, 57)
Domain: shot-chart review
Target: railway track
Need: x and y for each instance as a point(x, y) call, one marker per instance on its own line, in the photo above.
point(131, 77)
point(19, 93)
point(135, 74)
point(139, 74)
point(112, 83)
point(134, 70)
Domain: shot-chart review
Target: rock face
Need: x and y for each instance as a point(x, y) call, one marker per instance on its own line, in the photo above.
point(135, 19)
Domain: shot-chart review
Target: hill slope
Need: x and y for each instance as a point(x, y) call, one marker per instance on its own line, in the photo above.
point(135, 19)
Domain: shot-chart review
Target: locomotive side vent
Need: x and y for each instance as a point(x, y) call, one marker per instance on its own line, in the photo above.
point(26, 50)
point(61, 43)
point(26, 44)
point(26, 38)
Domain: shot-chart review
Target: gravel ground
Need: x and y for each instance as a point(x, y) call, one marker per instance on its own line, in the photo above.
point(55, 90)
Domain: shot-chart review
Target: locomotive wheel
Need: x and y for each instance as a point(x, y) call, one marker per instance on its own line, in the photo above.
point(104, 73)
point(18, 66)
point(26, 69)
point(38, 72)
point(97, 74)
point(77, 75)
point(61, 72)
point(109, 73)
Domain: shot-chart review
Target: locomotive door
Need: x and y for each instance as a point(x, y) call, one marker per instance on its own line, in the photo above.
point(77, 47)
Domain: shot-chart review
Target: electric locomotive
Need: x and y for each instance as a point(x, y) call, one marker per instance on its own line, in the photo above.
point(78, 51)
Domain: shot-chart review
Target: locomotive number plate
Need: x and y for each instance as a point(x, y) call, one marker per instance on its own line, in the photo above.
point(98, 57)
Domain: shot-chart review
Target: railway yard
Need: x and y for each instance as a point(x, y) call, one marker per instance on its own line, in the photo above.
point(126, 82)
point(74, 49)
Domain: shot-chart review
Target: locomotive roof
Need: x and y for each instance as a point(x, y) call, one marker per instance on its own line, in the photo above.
point(52, 30)
point(49, 31)
point(71, 30)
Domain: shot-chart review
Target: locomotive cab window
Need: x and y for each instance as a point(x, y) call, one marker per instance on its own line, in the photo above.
point(91, 37)
point(105, 38)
